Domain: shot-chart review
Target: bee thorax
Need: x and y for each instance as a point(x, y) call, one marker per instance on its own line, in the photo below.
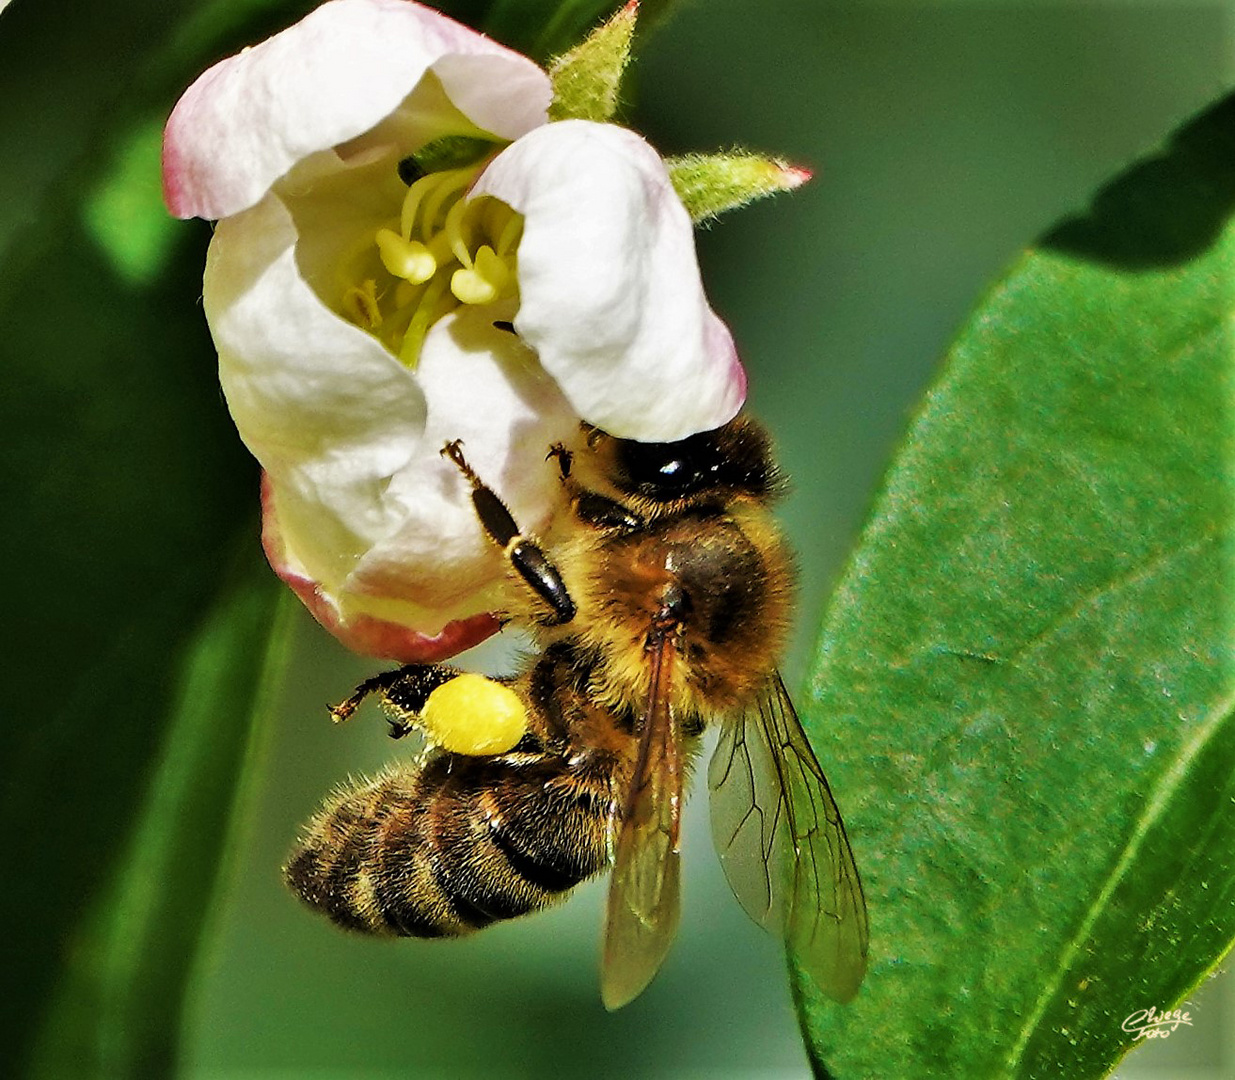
point(718, 582)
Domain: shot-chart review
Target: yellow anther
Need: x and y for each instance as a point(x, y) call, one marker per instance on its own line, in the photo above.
point(473, 714)
point(471, 288)
point(429, 256)
point(493, 267)
point(407, 259)
point(484, 282)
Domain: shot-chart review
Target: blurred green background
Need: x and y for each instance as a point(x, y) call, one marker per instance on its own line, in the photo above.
point(944, 138)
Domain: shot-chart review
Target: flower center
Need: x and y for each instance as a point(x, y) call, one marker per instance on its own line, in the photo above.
point(442, 250)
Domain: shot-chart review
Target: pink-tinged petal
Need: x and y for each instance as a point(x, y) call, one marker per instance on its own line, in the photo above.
point(366, 634)
point(328, 412)
point(610, 294)
point(330, 78)
point(433, 571)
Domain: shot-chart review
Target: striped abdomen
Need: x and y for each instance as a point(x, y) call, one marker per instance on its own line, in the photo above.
point(455, 844)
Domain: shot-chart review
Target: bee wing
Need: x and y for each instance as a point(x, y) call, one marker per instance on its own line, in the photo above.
point(782, 844)
point(643, 909)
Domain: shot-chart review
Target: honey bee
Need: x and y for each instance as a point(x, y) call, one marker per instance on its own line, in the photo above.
point(660, 605)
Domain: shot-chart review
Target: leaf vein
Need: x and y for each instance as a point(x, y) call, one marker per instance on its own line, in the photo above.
point(1162, 794)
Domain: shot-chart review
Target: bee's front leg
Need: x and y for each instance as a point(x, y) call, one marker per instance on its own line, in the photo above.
point(591, 507)
point(524, 553)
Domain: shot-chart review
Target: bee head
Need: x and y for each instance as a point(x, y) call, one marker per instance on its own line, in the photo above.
point(731, 461)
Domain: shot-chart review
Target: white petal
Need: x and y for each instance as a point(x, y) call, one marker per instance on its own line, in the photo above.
point(611, 298)
point(334, 75)
point(483, 387)
point(328, 412)
point(365, 634)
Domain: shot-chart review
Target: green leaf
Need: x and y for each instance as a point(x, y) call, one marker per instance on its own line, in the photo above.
point(124, 213)
point(128, 496)
point(128, 493)
point(1024, 683)
point(586, 78)
point(116, 1009)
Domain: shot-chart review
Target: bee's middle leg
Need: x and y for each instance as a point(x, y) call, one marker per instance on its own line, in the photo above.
point(524, 553)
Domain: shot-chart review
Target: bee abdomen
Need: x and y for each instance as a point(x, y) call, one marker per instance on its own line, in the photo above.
point(457, 844)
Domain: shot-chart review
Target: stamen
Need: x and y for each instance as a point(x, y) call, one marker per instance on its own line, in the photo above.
point(484, 283)
point(453, 229)
point(430, 261)
point(489, 212)
point(511, 232)
point(411, 203)
point(407, 259)
point(422, 318)
point(448, 183)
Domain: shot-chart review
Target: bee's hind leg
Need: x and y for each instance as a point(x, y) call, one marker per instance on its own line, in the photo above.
point(525, 555)
point(403, 693)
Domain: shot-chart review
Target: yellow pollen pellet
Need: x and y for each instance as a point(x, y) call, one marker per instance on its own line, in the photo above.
point(407, 259)
point(473, 714)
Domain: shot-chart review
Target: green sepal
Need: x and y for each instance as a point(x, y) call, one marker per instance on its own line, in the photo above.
point(448, 152)
point(586, 79)
point(710, 184)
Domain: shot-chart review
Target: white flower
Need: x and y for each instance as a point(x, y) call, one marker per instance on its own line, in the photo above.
point(536, 275)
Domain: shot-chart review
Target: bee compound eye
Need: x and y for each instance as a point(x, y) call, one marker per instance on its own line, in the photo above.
point(666, 470)
point(735, 456)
